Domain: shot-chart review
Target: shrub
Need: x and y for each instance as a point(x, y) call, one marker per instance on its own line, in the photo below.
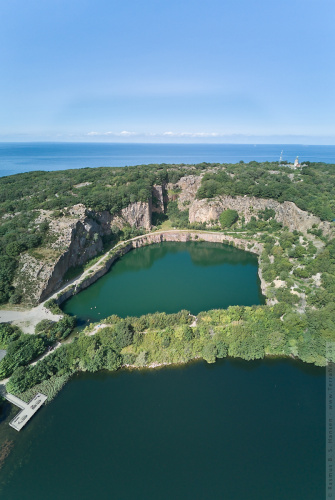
point(53, 306)
point(228, 217)
point(8, 333)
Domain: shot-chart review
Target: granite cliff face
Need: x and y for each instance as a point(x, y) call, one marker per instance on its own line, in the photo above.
point(187, 187)
point(77, 238)
point(158, 199)
point(136, 215)
point(210, 209)
point(287, 213)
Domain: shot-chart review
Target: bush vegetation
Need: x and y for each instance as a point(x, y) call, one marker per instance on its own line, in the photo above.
point(22, 349)
point(228, 217)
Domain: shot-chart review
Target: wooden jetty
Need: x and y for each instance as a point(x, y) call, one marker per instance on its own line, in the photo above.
point(27, 409)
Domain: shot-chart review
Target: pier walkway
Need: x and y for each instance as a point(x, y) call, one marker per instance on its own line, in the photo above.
point(27, 409)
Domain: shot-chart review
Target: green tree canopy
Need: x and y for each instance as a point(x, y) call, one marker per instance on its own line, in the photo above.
point(228, 217)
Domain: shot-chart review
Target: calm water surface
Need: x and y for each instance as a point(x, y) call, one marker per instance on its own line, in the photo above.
point(25, 157)
point(233, 430)
point(170, 276)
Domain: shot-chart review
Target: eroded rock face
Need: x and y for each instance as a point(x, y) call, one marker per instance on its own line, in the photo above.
point(209, 210)
point(189, 186)
point(158, 199)
point(78, 238)
point(136, 215)
point(287, 213)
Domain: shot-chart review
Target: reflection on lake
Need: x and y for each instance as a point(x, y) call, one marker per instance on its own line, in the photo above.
point(168, 277)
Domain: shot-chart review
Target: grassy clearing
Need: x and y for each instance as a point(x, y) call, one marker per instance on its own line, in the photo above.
point(166, 225)
point(45, 254)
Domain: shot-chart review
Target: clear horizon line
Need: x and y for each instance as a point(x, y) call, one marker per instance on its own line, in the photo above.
point(168, 143)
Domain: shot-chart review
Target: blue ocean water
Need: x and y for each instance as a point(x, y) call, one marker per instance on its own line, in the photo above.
point(25, 157)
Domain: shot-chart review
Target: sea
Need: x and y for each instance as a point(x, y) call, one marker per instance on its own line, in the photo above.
point(26, 157)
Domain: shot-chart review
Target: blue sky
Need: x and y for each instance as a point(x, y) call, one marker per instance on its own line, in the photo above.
point(176, 71)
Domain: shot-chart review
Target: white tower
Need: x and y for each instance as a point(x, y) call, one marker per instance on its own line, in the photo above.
point(296, 162)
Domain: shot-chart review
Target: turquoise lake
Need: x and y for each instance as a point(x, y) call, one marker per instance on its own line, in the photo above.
point(168, 277)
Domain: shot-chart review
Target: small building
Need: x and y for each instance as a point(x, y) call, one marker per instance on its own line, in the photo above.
point(296, 163)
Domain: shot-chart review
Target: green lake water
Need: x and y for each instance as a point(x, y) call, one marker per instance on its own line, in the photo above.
point(233, 430)
point(169, 276)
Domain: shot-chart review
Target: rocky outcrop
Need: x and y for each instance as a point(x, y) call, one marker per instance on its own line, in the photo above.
point(78, 238)
point(188, 187)
point(135, 214)
point(287, 213)
point(158, 198)
point(209, 210)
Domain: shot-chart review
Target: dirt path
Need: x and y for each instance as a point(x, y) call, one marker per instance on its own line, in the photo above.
point(45, 354)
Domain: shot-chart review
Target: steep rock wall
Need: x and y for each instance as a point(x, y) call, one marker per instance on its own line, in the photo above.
point(287, 213)
point(135, 214)
point(188, 187)
point(78, 239)
point(86, 242)
point(158, 198)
